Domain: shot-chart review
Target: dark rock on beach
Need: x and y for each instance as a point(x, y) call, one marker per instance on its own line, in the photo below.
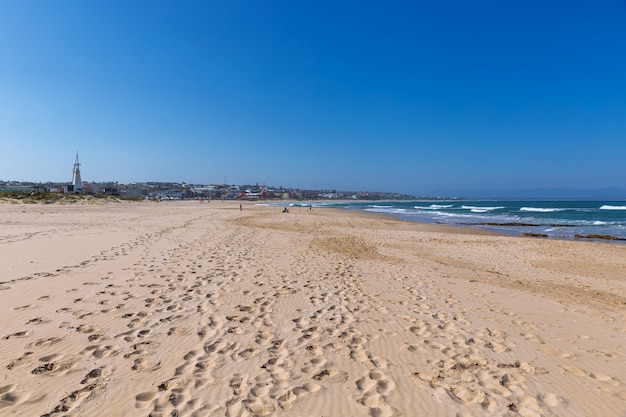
point(534, 235)
point(603, 237)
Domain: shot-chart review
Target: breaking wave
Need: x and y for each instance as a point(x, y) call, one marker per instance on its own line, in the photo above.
point(478, 209)
point(608, 207)
point(541, 209)
point(434, 207)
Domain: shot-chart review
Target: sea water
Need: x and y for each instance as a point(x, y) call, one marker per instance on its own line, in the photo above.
point(556, 219)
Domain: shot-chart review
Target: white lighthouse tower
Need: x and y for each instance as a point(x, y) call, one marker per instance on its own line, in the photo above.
point(76, 181)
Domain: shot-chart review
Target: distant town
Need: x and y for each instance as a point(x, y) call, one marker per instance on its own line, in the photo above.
point(183, 191)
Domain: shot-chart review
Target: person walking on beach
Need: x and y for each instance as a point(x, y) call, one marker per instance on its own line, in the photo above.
point(240, 207)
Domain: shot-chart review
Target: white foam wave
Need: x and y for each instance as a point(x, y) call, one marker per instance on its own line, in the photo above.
point(455, 215)
point(434, 207)
point(608, 207)
point(541, 209)
point(385, 209)
point(479, 209)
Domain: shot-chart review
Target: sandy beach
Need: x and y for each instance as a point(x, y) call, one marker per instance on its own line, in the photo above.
point(200, 309)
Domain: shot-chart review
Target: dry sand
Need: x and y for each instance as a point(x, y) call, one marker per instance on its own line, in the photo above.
point(197, 309)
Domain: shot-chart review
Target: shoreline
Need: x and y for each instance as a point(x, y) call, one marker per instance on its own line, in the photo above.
point(483, 227)
point(470, 228)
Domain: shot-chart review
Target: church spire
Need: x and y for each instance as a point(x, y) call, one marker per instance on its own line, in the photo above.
point(76, 181)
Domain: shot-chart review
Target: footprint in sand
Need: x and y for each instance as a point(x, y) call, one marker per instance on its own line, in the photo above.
point(332, 376)
point(314, 365)
point(259, 407)
point(604, 378)
point(10, 397)
point(21, 334)
point(95, 374)
point(572, 370)
point(47, 342)
point(19, 361)
point(37, 320)
point(45, 368)
point(416, 348)
point(374, 389)
point(306, 388)
point(144, 399)
point(314, 350)
point(549, 399)
point(244, 354)
point(50, 358)
point(104, 351)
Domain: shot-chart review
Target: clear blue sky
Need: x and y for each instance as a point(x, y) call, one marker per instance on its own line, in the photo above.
point(409, 96)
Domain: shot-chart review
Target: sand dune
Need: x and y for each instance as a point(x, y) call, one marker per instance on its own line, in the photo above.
point(199, 309)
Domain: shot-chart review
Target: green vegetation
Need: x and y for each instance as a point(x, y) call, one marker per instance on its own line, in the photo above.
point(50, 198)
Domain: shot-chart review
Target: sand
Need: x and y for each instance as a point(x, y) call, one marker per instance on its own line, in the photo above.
point(200, 309)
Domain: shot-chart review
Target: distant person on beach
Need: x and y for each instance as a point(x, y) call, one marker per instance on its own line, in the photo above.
point(285, 210)
point(240, 207)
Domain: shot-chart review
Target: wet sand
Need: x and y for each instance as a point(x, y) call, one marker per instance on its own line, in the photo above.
point(199, 309)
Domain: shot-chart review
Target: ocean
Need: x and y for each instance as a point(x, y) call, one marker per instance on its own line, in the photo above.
point(589, 220)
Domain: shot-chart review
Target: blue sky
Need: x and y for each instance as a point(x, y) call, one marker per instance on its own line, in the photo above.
point(414, 97)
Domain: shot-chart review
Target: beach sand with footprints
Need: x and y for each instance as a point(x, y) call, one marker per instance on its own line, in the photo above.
point(200, 309)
